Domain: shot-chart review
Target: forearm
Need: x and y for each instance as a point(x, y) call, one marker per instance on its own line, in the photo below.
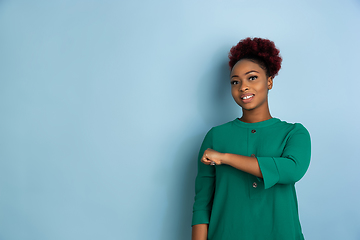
point(243, 163)
point(199, 232)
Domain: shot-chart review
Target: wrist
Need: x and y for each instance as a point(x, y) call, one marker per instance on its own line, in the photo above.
point(225, 158)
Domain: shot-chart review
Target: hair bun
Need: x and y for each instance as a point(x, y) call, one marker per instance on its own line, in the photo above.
point(258, 49)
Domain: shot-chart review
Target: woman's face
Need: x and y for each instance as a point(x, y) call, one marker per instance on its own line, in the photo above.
point(250, 85)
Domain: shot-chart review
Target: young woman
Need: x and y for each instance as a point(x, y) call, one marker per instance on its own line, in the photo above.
point(247, 168)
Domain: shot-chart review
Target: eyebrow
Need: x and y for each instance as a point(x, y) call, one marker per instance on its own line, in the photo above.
point(245, 73)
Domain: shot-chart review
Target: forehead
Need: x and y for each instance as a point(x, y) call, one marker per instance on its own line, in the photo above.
point(244, 66)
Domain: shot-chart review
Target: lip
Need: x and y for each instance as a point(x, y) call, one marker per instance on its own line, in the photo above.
point(247, 100)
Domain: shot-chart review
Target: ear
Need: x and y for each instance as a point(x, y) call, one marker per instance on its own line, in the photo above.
point(270, 82)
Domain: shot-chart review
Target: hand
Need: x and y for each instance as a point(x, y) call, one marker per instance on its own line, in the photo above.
point(212, 157)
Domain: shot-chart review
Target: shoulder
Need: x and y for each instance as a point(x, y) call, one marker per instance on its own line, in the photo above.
point(219, 130)
point(222, 128)
point(292, 128)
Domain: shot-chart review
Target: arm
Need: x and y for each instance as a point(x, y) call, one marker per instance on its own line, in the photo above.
point(293, 163)
point(243, 163)
point(204, 193)
point(288, 168)
point(199, 232)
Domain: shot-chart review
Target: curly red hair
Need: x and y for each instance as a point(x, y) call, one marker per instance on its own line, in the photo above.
point(260, 50)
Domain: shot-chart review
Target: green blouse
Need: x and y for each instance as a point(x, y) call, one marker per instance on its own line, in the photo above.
point(241, 206)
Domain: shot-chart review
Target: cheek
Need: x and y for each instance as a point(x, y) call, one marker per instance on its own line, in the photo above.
point(264, 87)
point(233, 91)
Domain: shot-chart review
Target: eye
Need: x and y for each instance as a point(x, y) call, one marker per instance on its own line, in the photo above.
point(234, 82)
point(252, 78)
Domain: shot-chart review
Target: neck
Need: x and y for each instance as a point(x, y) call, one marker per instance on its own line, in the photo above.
point(253, 116)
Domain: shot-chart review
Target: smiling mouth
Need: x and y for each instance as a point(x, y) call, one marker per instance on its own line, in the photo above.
point(247, 97)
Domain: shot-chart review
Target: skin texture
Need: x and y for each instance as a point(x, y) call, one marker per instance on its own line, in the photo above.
point(247, 78)
point(199, 232)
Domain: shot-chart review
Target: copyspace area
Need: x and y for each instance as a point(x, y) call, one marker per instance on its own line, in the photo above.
point(104, 105)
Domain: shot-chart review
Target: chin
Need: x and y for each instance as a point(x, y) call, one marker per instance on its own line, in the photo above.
point(248, 109)
point(245, 107)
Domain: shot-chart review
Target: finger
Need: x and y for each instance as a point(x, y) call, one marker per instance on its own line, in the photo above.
point(205, 161)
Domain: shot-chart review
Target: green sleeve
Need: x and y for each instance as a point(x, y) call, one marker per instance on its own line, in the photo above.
point(204, 186)
point(293, 163)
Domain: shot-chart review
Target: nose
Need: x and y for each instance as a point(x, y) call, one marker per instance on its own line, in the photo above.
point(243, 87)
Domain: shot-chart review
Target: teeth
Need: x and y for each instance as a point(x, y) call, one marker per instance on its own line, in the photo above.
point(247, 97)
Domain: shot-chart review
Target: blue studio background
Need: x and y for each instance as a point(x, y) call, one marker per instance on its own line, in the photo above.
point(104, 105)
